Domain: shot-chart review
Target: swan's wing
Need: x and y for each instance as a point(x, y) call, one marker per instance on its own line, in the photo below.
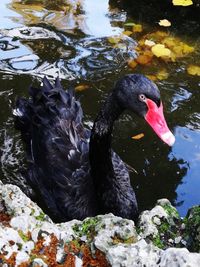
point(57, 147)
point(125, 196)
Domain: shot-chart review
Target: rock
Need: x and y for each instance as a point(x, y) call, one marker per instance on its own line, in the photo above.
point(28, 237)
point(161, 225)
point(38, 263)
point(78, 262)
point(175, 257)
point(21, 257)
point(138, 254)
point(17, 203)
point(112, 230)
point(192, 229)
point(147, 221)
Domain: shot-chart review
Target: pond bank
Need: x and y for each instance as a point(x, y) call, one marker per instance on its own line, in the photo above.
point(28, 237)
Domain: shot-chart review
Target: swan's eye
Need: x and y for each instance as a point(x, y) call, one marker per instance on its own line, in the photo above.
point(142, 97)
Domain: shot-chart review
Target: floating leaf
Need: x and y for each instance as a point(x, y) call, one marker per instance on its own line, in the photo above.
point(128, 33)
point(138, 136)
point(159, 50)
point(81, 87)
point(151, 77)
point(144, 59)
point(162, 74)
point(114, 39)
point(149, 43)
point(132, 63)
point(179, 48)
point(182, 2)
point(137, 28)
point(193, 70)
point(164, 22)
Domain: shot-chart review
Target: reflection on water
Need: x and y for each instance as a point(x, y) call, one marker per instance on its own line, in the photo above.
point(70, 58)
point(94, 9)
point(188, 147)
point(70, 40)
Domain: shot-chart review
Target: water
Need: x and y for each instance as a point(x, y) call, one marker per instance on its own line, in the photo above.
point(38, 40)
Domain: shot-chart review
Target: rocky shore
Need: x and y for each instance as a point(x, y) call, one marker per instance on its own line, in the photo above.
point(161, 237)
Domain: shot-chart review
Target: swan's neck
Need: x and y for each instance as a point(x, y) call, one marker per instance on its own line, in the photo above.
point(102, 169)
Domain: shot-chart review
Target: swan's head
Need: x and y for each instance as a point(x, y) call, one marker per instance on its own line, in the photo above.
point(137, 93)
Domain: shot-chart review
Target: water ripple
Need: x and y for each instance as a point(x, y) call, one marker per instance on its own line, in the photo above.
point(26, 50)
point(179, 97)
point(30, 33)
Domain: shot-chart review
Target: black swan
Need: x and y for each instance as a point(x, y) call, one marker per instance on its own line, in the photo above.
point(73, 169)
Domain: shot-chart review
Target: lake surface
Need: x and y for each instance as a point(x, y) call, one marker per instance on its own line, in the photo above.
point(76, 44)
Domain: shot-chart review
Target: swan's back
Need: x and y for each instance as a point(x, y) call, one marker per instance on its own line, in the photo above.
point(57, 148)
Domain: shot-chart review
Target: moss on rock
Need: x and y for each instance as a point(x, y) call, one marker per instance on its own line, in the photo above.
point(192, 229)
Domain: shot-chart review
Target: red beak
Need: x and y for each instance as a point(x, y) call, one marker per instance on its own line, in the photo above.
point(156, 120)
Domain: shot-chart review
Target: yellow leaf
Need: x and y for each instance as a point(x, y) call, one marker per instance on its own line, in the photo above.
point(144, 59)
point(132, 63)
point(193, 70)
point(137, 28)
point(162, 74)
point(114, 39)
point(179, 48)
point(159, 50)
point(182, 2)
point(138, 136)
point(164, 22)
point(151, 77)
point(120, 46)
point(128, 33)
point(81, 87)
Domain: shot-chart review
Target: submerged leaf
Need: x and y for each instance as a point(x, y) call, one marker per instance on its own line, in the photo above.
point(132, 63)
point(193, 70)
point(151, 77)
point(137, 28)
point(128, 33)
point(162, 74)
point(114, 39)
point(81, 87)
point(138, 136)
point(144, 59)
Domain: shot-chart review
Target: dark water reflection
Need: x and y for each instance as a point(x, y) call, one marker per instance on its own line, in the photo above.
point(37, 40)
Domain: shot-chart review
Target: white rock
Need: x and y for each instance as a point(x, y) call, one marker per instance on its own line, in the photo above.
point(16, 202)
point(146, 221)
point(21, 257)
point(28, 246)
point(111, 226)
point(177, 239)
point(23, 222)
point(175, 257)
point(134, 255)
point(38, 263)
point(163, 202)
point(156, 220)
point(47, 239)
point(9, 250)
point(9, 234)
point(66, 230)
point(78, 262)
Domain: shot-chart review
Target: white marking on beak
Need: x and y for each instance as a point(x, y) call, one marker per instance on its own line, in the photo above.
point(168, 138)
